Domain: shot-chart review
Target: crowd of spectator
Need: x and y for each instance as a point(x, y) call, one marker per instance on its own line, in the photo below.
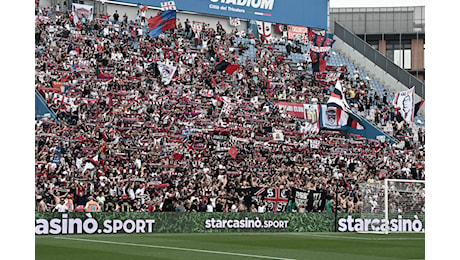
point(125, 141)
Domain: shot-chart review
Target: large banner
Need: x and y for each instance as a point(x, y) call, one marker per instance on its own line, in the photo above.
point(277, 199)
point(264, 30)
point(292, 109)
point(297, 31)
point(308, 13)
point(197, 27)
point(312, 200)
point(79, 11)
point(405, 103)
point(311, 118)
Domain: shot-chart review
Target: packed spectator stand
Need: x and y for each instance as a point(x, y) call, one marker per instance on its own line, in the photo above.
point(129, 142)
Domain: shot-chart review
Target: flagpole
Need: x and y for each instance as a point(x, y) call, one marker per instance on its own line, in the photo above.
point(336, 198)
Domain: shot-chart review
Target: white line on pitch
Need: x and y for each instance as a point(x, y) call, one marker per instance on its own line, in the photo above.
point(174, 248)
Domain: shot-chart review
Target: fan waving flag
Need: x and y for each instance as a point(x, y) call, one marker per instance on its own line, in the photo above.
point(231, 68)
point(142, 7)
point(319, 46)
point(418, 106)
point(337, 100)
point(162, 22)
point(91, 163)
point(167, 72)
point(228, 67)
point(264, 29)
point(232, 152)
point(354, 122)
point(227, 108)
point(404, 103)
point(177, 156)
point(234, 21)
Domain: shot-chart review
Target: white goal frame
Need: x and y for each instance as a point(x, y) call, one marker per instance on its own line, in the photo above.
point(387, 222)
point(378, 203)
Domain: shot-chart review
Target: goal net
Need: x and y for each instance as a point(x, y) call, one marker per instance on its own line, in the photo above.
point(393, 206)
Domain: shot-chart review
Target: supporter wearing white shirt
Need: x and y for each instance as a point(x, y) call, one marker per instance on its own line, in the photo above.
point(79, 162)
point(113, 191)
point(140, 193)
point(209, 207)
point(130, 193)
point(61, 207)
point(261, 208)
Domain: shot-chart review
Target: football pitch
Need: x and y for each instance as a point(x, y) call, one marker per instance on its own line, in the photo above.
point(224, 246)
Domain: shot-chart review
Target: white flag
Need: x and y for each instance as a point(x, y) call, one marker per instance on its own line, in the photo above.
point(264, 29)
point(278, 135)
point(314, 144)
point(79, 11)
point(234, 21)
point(255, 101)
point(404, 102)
point(227, 109)
point(170, 5)
point(167, 72)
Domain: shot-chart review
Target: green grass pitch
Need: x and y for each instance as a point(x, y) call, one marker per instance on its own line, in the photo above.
point(224, 246)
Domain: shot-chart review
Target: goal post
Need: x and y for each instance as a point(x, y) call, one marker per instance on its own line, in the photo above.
point(393, 205)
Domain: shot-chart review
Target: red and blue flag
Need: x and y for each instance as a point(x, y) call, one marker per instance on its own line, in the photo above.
point(162, 22)
point(318, 50)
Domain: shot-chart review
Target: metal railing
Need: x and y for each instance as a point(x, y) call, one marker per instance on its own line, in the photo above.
point(379, 59)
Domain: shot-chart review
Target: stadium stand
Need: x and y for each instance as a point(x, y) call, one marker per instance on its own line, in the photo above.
point(133, 142)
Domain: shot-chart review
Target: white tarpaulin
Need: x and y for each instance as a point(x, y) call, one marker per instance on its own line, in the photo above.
point(79, 11)
point(404, 102)
point(166, 72)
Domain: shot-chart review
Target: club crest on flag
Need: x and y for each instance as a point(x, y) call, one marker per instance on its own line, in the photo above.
point(170, 5)
point(331, 116)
